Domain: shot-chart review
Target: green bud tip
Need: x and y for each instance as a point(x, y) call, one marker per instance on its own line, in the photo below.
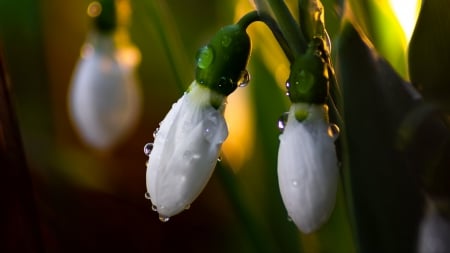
point(222, 62)
point(309, 81)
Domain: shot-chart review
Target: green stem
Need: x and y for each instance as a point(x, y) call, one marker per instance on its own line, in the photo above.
point(254, 16)
point(288, 26)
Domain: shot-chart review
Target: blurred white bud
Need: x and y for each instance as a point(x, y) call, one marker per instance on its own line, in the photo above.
point(104, 99)
point(434, 232)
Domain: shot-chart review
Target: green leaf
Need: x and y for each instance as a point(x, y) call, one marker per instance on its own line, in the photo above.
point(385, 198)
point(429, 53)
point(379, 23)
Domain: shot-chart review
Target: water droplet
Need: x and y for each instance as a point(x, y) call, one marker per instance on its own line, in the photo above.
point(295, 183)
point(282, 121)
point(287, 93)
point(147, 195)
point(226, 40)
point(219, 159)
point(189, 155)
point(288, 85)
point(289, 218)
point(210, 127)
point(154, 208)
point(205, 57)
point(155, 133)
point(244, 79)
point(187, 207)
point(148, 148)
point(333, 131)
point(94, 9)
point(163, 218)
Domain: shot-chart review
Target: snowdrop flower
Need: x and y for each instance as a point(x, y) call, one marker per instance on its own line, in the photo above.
point(104, 99)
point(187, 145)
point(307, 162)
point(307, 166)
point(185, 150)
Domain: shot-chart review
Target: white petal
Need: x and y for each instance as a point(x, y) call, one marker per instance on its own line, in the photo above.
point(103, 98)
point(307, 168)
point(185, 151)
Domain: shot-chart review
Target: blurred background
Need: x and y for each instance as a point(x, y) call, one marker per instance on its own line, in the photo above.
point(91, 200)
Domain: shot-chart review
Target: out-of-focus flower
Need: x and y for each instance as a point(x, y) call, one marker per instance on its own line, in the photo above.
point(104, 99)
point(185, 150)
point(307, 166)
point(434, 231)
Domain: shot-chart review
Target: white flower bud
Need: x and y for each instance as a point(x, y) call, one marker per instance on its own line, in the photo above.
point(104, 99)
point(307, 166)
point(185, 150)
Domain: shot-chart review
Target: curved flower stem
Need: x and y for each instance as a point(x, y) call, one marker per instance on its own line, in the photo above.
point(288, 26)
point(254, 16)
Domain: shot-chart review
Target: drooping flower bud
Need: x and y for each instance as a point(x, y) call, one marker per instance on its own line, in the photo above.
point(307, 166)
point(104, 97)
point(187, 145)
point(185, 150)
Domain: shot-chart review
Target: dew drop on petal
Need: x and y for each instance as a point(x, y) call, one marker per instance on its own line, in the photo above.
point(187, 207)
point(294, 183)
point(333, 131)
point(148, 148)
point(210, 126)
point(244, 79)
point(155, 133)
point(147, 195)
point(288, 85)
point(289, 218)
point(163, 218)
point(219, 159)
point(282, 121)
point(154, 208)
point(287, 93)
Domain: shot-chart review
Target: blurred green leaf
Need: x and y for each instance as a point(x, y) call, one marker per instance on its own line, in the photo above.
point(385, 197)
point(429, 52)
point(379, 23)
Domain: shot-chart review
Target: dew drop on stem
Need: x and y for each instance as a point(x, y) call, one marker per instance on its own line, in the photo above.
point(244, 79)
